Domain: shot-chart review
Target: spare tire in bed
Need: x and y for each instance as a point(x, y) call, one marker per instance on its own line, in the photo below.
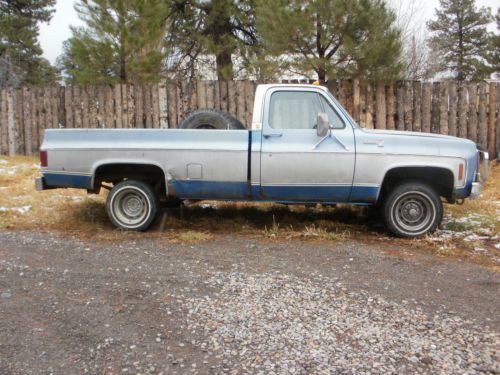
point(210, 119)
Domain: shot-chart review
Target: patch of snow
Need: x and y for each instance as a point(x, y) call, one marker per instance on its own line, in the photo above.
point(497, 246)
point(480, 249)
point(22, 210)
point(9, 170)
point(475, 237)
point(3, 161)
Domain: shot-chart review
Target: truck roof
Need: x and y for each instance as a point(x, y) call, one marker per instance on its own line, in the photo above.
point(301, 85)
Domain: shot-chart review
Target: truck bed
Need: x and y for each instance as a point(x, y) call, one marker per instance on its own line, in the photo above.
point(196, 162)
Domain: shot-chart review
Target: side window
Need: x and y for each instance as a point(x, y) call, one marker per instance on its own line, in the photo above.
point(294, 109)
point(334, 119)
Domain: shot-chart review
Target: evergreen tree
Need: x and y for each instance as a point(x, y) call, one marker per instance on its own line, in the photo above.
point(333, 38)
point(460, 39)
point(494, 53)
point(222, 28)
point(20, 51)
point(122, 41)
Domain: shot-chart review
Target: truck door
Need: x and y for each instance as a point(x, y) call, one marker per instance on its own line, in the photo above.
point(293, 168)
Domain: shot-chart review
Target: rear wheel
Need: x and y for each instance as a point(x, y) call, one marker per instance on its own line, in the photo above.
point(412, 209)
point(132, 205)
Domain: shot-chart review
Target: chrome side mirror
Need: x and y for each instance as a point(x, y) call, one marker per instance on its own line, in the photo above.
point(322, 125)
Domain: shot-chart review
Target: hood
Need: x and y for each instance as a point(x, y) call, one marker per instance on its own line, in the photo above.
point(414, 134)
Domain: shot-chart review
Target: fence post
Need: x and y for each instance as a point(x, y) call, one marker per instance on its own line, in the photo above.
point(452, 115)
point(356, 104)
point(417, 106)
point(380, 115)
point(482, 120)
point(472, 127)
point(390, 106)
point(491, 122)
point(443, 108)
point(462, 111)
point(426, 107)
point(369, 106)
point(11, 137)
point(498, 121)
point(28, 147)
point(162, 98)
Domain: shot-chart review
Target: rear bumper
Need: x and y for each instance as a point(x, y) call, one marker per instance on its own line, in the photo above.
point(40, 184)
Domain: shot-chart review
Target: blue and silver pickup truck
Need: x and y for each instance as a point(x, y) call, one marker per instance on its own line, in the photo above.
point(303, 148)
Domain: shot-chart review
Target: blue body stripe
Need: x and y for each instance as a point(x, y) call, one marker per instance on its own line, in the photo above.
point(196, 189)
point(365, 194)
point(67, 180)
point(318, 193)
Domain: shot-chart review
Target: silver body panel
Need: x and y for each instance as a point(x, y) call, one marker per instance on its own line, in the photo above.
point(349, 166)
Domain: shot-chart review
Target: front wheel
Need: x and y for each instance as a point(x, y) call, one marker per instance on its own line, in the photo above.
point(412, 209)
point(132, 205)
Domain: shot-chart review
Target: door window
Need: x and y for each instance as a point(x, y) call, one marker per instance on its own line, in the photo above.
point(294, 110)
point(333, 118)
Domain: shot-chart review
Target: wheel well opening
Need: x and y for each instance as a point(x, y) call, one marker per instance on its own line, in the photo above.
point(116, 172)
point(440, 179)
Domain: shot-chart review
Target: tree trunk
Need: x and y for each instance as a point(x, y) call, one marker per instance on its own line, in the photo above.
point(123, 70)
point(321, 71)
point(224, 66)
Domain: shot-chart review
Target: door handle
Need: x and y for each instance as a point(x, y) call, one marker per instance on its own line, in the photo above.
point(273, 135)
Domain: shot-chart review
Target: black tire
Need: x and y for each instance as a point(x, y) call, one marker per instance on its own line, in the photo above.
point(412, 209)
point(132, 205)
point(210, 119)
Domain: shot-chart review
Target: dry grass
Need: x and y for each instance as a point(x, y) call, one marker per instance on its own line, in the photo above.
point(74, 212)
point(487, 209)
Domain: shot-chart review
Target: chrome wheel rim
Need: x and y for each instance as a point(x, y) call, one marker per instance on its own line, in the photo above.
point(414, 212)
point(130, 207)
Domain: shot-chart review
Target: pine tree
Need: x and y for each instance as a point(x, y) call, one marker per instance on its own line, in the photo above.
point(494, 52)
point(20, 51)
point(461, 39)
point(333, 38)
point(221, 28)
point(122, 41)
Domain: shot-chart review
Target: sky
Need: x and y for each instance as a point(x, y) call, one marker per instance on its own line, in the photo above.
point(53, 35)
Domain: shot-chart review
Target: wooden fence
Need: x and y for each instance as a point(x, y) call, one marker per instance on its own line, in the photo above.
point(465, 110)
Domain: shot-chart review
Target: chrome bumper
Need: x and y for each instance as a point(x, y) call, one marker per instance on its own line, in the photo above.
point(482, 166)
point(481, 174)
point(477, 189)
point(39, 184)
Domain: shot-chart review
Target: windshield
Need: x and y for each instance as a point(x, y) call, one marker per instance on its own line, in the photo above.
point(346, 114)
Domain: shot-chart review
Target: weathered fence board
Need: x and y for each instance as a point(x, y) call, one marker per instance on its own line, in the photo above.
point(472, 128)
point(468, 110)
point(391, 108)
point(491, 118)
point(452, 114)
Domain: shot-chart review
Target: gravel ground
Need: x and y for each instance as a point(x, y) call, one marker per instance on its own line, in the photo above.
point(240, 305)
point(275, 323)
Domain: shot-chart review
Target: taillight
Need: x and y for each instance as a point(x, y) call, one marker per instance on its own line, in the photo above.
point(43, 158)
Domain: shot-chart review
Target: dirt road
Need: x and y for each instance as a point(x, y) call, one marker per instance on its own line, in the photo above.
point(238, 304)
